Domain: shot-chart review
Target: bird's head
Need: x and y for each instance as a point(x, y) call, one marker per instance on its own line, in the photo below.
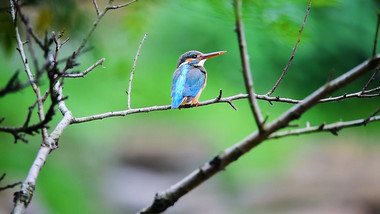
point(197, 58)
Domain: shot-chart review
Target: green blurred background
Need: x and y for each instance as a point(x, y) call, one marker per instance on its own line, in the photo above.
point(116, 165)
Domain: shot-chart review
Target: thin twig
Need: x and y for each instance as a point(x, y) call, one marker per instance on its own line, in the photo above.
point(30, 111)
point(371, 116)
point(133, 71)
point(371, 79)
point(100, 16)
point(96, 7)
point(10, 186)
point(334, 128)
point(13, 85)
point(28, 27)
point(293, 52)
point(33, 55)
point(121, 5)
point(376, 35)
point(220, 94)
point(82, 74)
point(245, 65)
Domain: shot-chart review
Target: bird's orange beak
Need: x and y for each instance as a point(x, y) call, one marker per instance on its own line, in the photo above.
point(213, 54)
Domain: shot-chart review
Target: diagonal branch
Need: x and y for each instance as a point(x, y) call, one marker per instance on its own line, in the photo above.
point(13, 85)
point(96, 7)
point(293, 52)
point(133, 71)
point(371, 116)
point(120, 6)
point(371, 79)
point(246, 67)
point(95, 24)
point(8, 185)
point(168, 197)
point(24, 196)
point(28, 27)
point(82, 74)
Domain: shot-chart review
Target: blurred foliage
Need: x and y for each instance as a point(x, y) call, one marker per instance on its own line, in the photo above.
point(338, 35)
point(45, 16)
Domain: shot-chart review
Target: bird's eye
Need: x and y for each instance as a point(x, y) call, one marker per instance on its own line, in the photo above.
point(194, 56)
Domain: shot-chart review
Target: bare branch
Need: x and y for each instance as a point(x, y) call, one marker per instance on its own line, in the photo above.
point(133, 71)
point(50, 142)
point(96, 7)
point(82, 74)
point(24, 196)
point(100, 16)
point(333, 128)
point(13, 85)
point(28, 27)
point(29, 115)
point(20, 48)
point(245, 65)
point(371, 79)
point(33, 55)
point(156, 108)
point(120, 6)
point(376, 35)
point(168, 197)
point(293, 52)
point(371, 116)
point(9, 185)
point(213, 101)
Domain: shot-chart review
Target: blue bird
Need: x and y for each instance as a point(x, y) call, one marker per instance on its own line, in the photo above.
point(189, 79)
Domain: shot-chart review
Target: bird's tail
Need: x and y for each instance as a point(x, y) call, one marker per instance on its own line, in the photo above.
point(177, 100)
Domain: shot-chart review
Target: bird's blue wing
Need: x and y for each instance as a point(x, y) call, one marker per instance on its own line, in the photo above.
point(194, 82)
point(178, 84)
point(175, 78)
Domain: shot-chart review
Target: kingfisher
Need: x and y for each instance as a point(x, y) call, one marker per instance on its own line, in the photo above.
point(189, 79)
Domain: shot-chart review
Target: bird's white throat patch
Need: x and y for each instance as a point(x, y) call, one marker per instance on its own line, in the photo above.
point(202, 62)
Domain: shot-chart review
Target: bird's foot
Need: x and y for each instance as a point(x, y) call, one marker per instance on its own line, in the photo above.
point(196, 105)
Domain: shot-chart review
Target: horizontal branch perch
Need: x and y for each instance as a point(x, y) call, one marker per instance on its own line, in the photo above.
point(215, 100)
